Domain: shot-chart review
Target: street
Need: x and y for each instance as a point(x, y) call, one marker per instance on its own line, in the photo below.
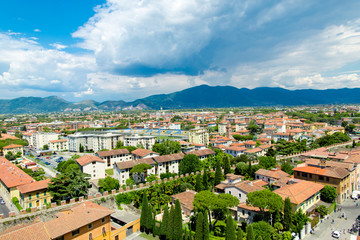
point(324, 230)
point(4, 210)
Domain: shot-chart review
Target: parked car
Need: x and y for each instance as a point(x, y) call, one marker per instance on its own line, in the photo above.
point(2, 202)
point(47, 163)
point(335, 234)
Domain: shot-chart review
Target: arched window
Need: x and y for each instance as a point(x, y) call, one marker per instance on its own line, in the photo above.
point(90, 236)
point(103, 231)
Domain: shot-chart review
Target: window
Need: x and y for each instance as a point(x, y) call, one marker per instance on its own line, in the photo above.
point(321, 178)
point(60, 238)
point(327, 179)
point(37, 195)
point(30, 205)
point(304, 174)
point(103, 220)
point(239, 195)
point(45, 201)
point(103, 231)
point(29, 196)
point(90, 225)
point(76, 232)
point(310, 175)
point(90, 236)
point(229, 192)
point(45, 193)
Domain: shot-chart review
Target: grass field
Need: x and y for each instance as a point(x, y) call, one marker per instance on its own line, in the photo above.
point(109, 172)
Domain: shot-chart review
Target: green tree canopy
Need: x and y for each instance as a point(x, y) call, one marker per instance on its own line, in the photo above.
point(267, 162)
point(190, 163)
point(140, 168)
point(167, 147)
point(262, 229)
point(108, 184)
point(328, 194)
point(265, 199)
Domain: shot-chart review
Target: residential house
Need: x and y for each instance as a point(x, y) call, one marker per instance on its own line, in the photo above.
point(246, 213)
point(141, 153)
point(274, 177)
point(113, 156)
point(241, 189)
point(14, 149)
point(259, 152)
point(231, 179)
point(303, 194)
point(168, 163)
point(333, 176)
point(203, 153)
point(92, 165)
point(235, 151)
point(122, 169)
point(146, 142)
point(59, 145)
point(186, 200)
point(34, 194)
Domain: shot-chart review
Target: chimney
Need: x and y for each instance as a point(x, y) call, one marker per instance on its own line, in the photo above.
point(187, 189)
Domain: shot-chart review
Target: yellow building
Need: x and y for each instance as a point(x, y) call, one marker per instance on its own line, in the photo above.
point(303, 195)
point(14, 149)
point(332, 176)
point(199, 136)
point(34, 194)
point(11, 177)
point(86, 221)
point(59, 145)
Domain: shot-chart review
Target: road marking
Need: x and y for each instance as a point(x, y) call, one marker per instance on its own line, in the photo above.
point(339, 223)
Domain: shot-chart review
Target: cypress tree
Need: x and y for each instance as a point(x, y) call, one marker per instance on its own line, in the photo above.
point(190, 234)
point(205, 181)
point(177, 221)
point(199, 227)
point(149, 220)
point(164, 223)
point(218, 173)
point(230, 229)
point(170, 225)
point(144, 212)
point(240, 234)
point(198, 183)
point(154, 232)
point(227, 167)
point(206, 226)
point(250, 233)
point(287, 214)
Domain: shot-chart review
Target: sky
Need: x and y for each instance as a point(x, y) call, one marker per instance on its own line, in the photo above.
point(126, 50)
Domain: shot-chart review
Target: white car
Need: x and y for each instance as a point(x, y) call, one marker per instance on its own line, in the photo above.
point(335, 234)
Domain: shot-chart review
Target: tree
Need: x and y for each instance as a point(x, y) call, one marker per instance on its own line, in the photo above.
point(81, 148)
point(46, 147)
point(262, 229)
point(144, 212)
point(190, 163)
point(216, 205)
point(287, 214)
point(71, 164)
point(230, 229)
point(205, 179)
point(10, 156)
point(149, 219)
point(299, 219)
point(249, 233)
point(265, 199)
point(328, 194)
point(239, 234)
point(108, 184)
point(139, 171)
point(227, 168)
point(218, 173)
point(170, 225)
point(167, 147)
point(119, 145)
point(23, 128)
point(267, 162)
point(199, 227)
point(287, 167)
point(164, 223)
point(206, 226)
point(177, 221)
point(198, 183)
point(71, 184)
point(322, 209)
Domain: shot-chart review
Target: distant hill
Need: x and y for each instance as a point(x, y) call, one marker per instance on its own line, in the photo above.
point(196, 97)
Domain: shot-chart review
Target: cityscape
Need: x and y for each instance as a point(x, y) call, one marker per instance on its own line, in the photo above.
point(179, 120)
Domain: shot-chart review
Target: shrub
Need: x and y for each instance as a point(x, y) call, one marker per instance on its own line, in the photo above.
point(15, 200)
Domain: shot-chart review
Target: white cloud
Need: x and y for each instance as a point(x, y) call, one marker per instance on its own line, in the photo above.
point(58, 46)
point(37, 30)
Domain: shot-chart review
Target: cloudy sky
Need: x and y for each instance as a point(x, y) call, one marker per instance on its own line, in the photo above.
point(129, 49)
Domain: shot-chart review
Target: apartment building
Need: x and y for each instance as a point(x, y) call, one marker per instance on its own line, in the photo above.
point(93, 141)
point(200, 136)
point(39, 139)
point(59, 145)
point(34, 194)
point(146, 142)
point(92, 165)
point(14, 149)
point(113, 156)
point(168, 163)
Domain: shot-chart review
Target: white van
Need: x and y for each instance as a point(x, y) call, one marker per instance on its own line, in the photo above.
point(355, 195)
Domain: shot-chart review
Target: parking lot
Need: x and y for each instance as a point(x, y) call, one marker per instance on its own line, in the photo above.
point(337, 223)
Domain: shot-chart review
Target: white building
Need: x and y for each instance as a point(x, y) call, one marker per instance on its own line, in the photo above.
point(113, 156)
point(240, 190)
point(203, 153)
point(235, 151)
point(59, 145)
point(199, 136)
point(168, 163)
point(92, 165)
point(93, 141)
point(39, 139)
point(146, 141)
point(122, 169)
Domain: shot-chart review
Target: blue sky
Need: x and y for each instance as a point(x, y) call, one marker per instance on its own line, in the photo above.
point(124, 50)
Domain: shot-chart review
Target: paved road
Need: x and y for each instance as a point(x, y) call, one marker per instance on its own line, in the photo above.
point(323, 231)
point(4, 210)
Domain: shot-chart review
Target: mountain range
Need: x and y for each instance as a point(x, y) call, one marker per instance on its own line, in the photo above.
point(202, 96)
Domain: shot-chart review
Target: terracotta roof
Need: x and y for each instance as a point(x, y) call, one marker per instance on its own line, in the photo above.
point(7, 136)
point(86, 159)
point(186, 198)
point(112, 152)
point(254, 150)
point(58, 141)
point(13, 146)
point(133, 163)
point(11, 175)
point(142, 152)
point(169, 157)
point(201, 152)
point(235, 148)
point(32, 231)
point(299, 192)
point(275, 174)
point(249, 207)
point(246, 186)
point(34, 186)
point(317, 162)
point(334, 172)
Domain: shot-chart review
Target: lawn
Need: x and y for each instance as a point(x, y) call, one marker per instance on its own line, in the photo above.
point(109, 172)
point(149, 236)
